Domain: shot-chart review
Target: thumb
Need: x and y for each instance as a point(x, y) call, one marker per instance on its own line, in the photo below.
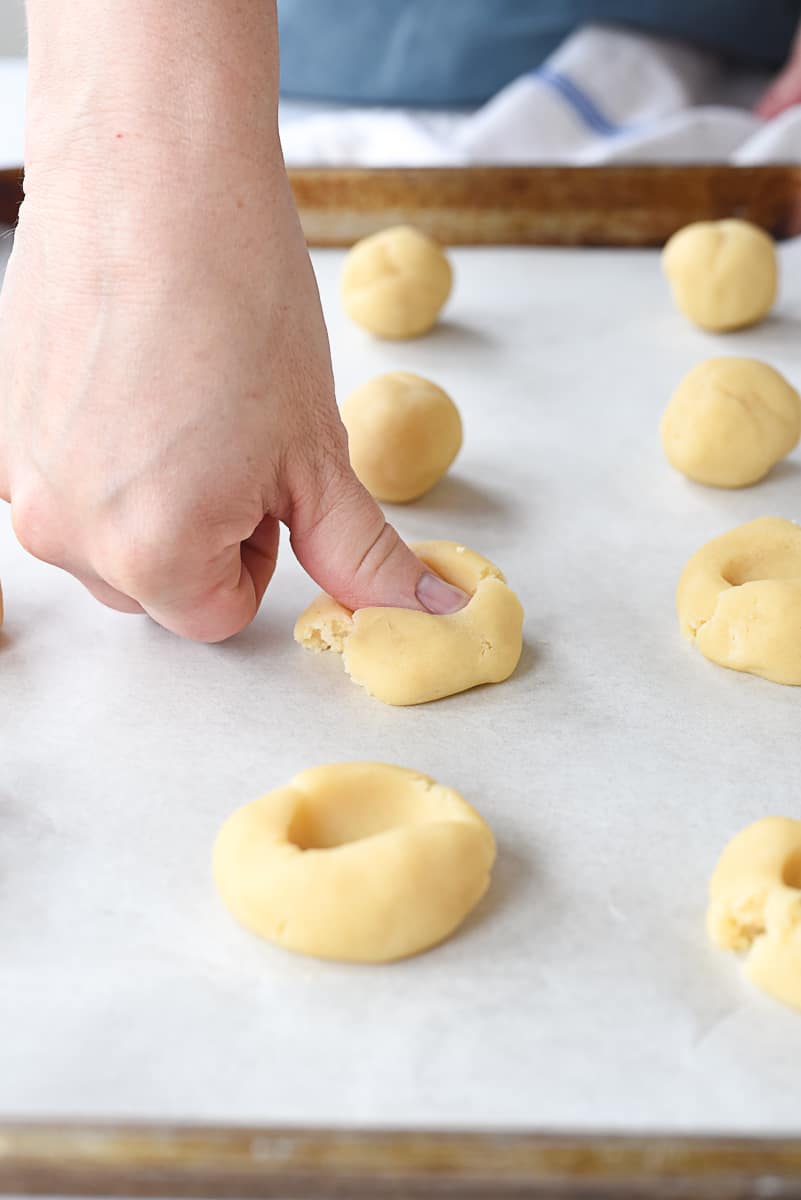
point(347, 546)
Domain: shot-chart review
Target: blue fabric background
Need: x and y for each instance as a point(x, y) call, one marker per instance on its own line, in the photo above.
point(460, 52)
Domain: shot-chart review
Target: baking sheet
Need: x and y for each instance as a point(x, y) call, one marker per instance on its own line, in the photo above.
point(612, 767)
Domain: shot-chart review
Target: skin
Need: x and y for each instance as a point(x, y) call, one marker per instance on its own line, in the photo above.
point(168, 397)
point(785, 91)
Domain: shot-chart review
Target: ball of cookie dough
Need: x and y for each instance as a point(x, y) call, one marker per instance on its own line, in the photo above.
point(755, 905)
point(729, 421)
point(723, 274)
point(403, 656)
point(362, 862)
point(403, 434)
point(739, 600)
point(395, 283)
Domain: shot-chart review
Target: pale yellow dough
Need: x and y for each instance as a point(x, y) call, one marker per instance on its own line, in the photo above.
point(395, 283)
point(403, 434)
point(723, 274)
point(739, 599)
point(403, 656)
point(361, 862)
point(729, 421)
point(755, 905)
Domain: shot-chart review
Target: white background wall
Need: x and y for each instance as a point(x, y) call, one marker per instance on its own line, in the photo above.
point(12, 27)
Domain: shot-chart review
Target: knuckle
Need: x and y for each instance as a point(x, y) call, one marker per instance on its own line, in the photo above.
point(138, 557)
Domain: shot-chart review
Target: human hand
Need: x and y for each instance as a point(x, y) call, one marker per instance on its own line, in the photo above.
point(785, 91)
point(168, 397)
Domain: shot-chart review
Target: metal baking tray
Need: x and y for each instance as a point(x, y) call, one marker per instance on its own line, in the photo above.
point(618, 206)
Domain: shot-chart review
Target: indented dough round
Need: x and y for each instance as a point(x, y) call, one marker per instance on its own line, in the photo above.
point(395, 283)
point(739, 599)
point(403, 656)
point(755, 905)
point(403, 434)
point(723, 274)
point(361, 861)
point(729, 421)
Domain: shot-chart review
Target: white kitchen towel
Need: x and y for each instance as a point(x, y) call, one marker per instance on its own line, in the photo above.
point(607, 95)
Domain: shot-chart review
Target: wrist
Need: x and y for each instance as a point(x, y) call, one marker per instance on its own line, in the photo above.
point(143, 89)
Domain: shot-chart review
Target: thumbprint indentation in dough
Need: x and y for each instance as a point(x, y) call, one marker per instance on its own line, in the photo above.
point(792, 871)
point(354, 818)
point(768, 562)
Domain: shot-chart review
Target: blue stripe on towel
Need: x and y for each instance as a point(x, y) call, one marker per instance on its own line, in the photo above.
point(580, 102)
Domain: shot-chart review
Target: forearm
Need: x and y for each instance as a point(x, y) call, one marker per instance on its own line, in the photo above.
point(118, 80)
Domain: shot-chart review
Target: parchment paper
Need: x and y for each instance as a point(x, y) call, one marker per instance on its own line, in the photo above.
point(613, 767)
